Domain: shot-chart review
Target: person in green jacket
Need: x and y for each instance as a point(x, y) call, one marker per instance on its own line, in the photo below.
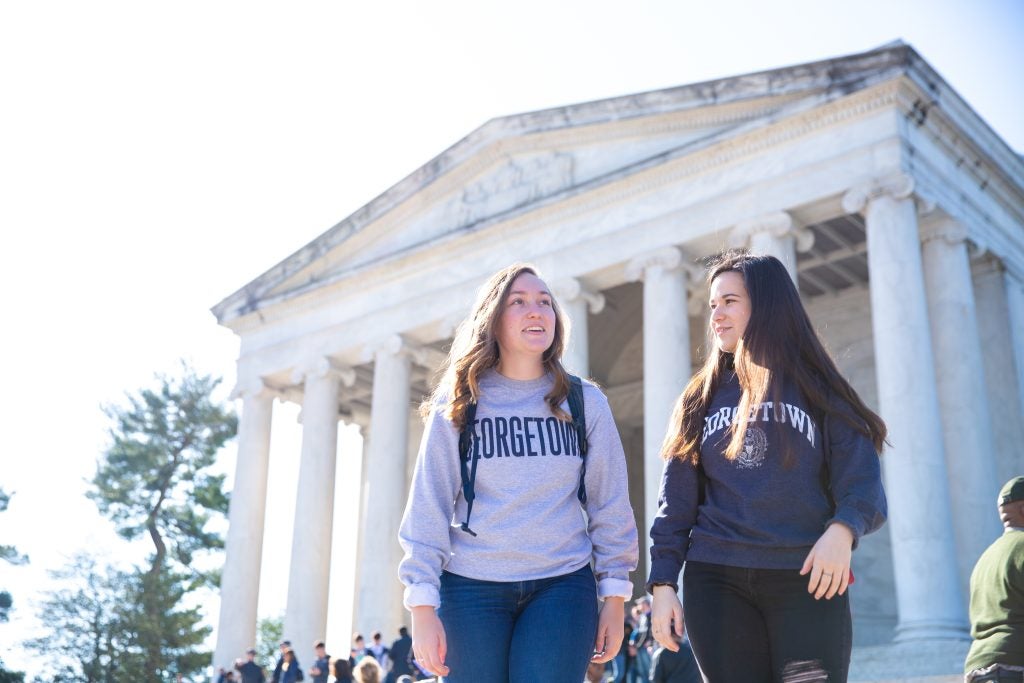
point(997, 598)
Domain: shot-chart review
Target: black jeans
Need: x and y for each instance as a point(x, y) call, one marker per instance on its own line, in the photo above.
point(761, 625)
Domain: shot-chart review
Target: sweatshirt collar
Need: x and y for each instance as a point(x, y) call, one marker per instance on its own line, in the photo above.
point(496, 379)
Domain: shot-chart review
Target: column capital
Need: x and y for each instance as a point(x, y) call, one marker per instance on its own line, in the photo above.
point(252, 386)
point(247, 387)
point(361, 419)
point(396, 345)
point(777, 224)
point(322, 367)
point(570, 288)
point(665, 258)
point(897, 185)
point(946, 229)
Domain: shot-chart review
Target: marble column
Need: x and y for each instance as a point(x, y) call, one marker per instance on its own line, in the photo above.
point(963, 399)
point(416, 428)
point(363, 423)
point(576, 301)
point(305, 619)
point(773, 234)
point(379, 593)
point(240, 578)
point(930, 603)
point(1015, 305)
point(666, 358)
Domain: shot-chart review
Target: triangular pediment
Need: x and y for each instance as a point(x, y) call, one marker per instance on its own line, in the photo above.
point(515, 173)
point(512, 163)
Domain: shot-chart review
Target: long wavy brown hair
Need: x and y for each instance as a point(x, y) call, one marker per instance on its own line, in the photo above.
point(475, 350)
point(779, 346)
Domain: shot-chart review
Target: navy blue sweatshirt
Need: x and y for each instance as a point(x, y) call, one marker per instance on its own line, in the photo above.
point(762, 509)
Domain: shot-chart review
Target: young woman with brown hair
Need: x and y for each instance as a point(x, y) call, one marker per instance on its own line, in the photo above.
point(513, 597)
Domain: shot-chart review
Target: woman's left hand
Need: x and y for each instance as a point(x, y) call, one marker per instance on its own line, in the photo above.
point(829, 562)
point(609, 630)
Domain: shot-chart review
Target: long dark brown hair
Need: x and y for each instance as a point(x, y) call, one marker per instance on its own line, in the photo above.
point(475, 350)
point(778, 346)
point(342, 669)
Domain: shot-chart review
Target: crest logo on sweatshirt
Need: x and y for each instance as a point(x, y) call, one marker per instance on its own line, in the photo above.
point(755, 445)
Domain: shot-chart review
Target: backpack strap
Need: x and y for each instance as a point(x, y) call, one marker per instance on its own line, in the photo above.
point(467, 464)
point(579, 421)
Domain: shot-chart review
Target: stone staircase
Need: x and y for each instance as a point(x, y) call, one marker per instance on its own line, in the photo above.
point(936, 661)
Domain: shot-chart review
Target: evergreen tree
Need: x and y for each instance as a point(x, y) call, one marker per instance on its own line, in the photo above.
point(83, 615)
point(161, 637)
point(8, 676)
point(154, 481)
point(9, 554)
point(269, 634)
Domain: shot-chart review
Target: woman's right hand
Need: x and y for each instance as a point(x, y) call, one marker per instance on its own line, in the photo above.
point(666, 616)
point(429, 644)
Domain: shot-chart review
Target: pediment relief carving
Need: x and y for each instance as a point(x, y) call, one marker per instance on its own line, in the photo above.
point(521, 180)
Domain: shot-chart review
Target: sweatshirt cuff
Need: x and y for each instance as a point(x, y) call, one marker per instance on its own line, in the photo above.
point(419, 594)
point(849, 524)
point(615, 588)
point(663, 571)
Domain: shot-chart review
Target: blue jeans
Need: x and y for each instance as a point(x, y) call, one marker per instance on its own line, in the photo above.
point(539, 631)
point(762, 626)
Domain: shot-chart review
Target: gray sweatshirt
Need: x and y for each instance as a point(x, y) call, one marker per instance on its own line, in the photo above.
point(528, 520)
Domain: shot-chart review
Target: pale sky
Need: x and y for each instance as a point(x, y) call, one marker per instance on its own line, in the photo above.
point(156, 157)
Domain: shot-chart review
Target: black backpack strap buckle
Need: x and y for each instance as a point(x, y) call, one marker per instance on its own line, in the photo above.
point(467, 464)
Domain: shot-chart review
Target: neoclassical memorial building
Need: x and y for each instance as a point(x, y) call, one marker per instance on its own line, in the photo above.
point(898, 211)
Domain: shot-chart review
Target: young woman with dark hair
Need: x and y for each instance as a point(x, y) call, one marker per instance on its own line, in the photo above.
point(772, 475)
point(290, 670)
point(342, 670)
point(513, 597)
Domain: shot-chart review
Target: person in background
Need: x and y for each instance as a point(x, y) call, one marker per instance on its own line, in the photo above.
point(342, 671)
point(359, 650)
point(641, 641)
point(249, 671)
point(678, 666)
point(368, 671)
point(623, 661)
point(321, 667)
point(399, 655)
point(597, 673)
point(290, 670)
point(997, 598)
point(379, 651)
point(284, 645)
